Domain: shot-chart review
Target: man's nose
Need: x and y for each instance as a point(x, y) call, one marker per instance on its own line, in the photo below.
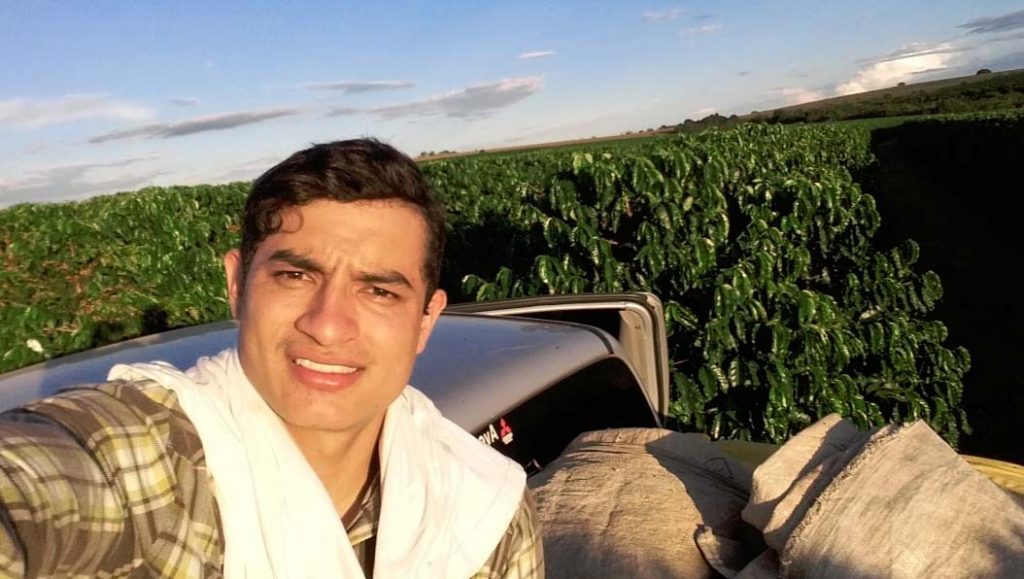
point(330, 316)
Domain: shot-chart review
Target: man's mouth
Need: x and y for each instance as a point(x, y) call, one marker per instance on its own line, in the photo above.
point(325, 368)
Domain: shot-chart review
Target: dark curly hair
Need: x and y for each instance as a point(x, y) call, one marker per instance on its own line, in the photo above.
point(345, 171)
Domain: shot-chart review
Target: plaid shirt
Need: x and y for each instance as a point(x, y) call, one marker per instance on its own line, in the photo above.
point(519, 555)
point(112, 481)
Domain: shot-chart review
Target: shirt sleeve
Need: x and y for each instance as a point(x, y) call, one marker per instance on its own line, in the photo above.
point(105, 481)
point(56, 505)
point(520, 554)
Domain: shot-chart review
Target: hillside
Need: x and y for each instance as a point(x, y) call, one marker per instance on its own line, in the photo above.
point(978, 92)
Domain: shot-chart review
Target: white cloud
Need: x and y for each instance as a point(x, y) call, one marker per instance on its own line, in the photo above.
point(345, 111)
point(899, 67)
point(543, 132)
point(800, 95)
point(1008, 37)
point(37, 147)
point(701, 113)
point(183, 101)
point(537, 54)
point(662, 15)
point(78, 180)
point(360, 86)
point(700, 30)
point(468, 103)
point(1003, 23)
point(197, 125)
point(243, 171)
point(918, 50)
point(20, 112)
point(928, 71)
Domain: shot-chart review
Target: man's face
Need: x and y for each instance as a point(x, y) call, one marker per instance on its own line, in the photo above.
point(332, 315)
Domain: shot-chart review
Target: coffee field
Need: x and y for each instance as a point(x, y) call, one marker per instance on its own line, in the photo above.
point(782, 304)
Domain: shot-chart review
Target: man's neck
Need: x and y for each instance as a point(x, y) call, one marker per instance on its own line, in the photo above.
point(343, 461)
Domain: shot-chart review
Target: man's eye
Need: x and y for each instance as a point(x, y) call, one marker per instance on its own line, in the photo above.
point(290, 275)
point(379, 292)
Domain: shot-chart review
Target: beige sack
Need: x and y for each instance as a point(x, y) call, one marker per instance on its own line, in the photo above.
point(896, 502)
point(626, 503)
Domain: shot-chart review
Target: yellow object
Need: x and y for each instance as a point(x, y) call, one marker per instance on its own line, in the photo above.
point(750, 454)
point(1007, 475)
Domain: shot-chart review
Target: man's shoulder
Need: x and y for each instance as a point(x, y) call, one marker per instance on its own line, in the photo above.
point(520, 554)
point(140, 397)
point(90, 462)
point(113, 415)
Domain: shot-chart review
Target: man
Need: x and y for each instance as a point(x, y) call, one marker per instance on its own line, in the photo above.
point(303, 453)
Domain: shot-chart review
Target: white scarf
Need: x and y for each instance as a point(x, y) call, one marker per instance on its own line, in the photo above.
point(446, 499)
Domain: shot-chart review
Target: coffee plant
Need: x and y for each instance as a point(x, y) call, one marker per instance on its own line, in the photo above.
point(780, 307)
point(780, 310)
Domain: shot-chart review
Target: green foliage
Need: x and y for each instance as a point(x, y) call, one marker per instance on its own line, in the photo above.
point(780, 310)
point(757, 240)
point(81, 275)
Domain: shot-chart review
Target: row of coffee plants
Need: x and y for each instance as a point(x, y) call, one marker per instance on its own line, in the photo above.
point(80, 275)
point(757, 240)
point(759, 243)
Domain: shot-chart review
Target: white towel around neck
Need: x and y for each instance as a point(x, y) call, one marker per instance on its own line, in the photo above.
point(446, 498)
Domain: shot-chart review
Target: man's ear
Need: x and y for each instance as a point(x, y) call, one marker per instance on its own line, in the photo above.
point(232, 274)
point(437, 302)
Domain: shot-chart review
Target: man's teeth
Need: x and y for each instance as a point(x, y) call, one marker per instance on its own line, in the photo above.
point(325, 368)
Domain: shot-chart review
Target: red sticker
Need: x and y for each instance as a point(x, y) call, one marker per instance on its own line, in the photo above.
point(506, 432)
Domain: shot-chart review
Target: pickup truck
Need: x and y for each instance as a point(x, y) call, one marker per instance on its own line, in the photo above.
point(524, 375)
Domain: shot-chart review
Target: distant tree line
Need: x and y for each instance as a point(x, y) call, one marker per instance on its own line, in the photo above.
point(713, 120)
point(435, 153)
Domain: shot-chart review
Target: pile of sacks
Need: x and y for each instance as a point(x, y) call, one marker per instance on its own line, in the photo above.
point(833, 502)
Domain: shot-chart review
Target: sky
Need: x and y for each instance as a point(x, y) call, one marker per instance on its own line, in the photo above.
point(99, 97)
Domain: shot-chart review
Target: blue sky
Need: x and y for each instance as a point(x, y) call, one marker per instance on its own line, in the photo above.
point(99, 97)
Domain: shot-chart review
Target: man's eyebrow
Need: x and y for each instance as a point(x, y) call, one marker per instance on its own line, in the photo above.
point(295, 260)
point(387, 277)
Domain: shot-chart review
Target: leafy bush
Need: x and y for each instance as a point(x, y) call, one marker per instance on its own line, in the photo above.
point(779, 308)
point(86, 274)
point(757, 240)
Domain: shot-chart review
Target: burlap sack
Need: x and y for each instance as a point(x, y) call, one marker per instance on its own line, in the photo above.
point(627, 502)
point(837, 503)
